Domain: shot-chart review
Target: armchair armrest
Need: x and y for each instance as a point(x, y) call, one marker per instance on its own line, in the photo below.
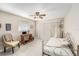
point(12, 43)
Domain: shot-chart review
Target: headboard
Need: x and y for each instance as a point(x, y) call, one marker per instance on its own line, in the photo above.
point(72, 44)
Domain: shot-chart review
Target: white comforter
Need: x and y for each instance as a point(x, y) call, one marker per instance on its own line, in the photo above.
point(57, 47)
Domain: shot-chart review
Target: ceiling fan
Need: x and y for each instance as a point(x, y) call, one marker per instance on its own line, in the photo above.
point(38, 15)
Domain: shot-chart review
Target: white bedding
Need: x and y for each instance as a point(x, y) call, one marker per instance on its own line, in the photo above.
point(54, 51)
point(57, 47)
point(57, 42)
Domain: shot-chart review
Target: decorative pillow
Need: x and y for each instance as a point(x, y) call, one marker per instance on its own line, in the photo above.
point(72, 47)
point(57, 42)
point(72, 44)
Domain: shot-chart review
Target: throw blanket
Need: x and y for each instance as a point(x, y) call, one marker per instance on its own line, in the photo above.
point(57, 47)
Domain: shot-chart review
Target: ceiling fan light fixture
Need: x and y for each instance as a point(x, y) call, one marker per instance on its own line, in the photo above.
point(37, 13)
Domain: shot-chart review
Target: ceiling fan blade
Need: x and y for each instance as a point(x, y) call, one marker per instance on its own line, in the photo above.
point(34, 17)
point(38, 15)
point(43, 15)
point(31, 15)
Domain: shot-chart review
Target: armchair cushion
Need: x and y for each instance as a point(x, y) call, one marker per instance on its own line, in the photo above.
point(12, 43)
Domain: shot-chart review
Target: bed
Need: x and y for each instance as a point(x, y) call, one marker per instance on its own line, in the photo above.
point(58, 47)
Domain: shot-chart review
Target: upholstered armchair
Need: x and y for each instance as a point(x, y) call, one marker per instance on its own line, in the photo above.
point(9, 42)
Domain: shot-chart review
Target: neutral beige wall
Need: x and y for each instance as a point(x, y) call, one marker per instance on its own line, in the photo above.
point(14, 21)
point(71, 23)
point(47, 29)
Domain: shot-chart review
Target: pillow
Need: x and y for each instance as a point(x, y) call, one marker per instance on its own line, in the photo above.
point(72, 45)
point(53, 42)
point(57, 42)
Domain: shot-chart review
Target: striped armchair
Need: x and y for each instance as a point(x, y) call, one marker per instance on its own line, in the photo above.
point(9, 42)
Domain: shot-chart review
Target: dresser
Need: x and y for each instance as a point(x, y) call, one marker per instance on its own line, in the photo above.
point(26, 38)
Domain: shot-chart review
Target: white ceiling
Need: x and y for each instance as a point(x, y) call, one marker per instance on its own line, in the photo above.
point(52, 10)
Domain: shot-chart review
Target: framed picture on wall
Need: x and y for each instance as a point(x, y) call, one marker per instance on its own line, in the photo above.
point(8, 27)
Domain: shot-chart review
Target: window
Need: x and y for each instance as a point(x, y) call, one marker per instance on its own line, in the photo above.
point(24, 26)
